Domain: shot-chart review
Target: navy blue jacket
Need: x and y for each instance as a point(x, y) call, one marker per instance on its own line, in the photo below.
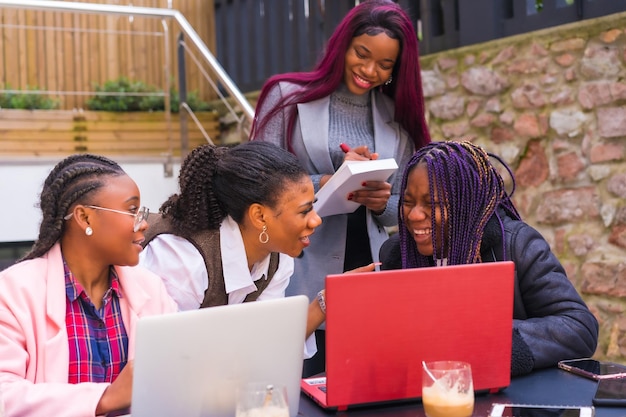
point(550, 320)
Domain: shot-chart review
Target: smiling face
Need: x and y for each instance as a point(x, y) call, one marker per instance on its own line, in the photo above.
point(293, 220)
point(418, 210)
point(113, 237)
point(369, 61)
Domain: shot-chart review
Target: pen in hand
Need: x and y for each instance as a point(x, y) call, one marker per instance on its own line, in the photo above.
point(361, 151)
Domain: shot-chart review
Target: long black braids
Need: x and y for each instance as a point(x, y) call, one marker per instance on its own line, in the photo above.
point(196, 206)
point(72, 180)
point(468, 190)
point(217, 181)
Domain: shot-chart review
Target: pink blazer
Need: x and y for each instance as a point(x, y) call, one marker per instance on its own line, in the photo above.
point(34, 352)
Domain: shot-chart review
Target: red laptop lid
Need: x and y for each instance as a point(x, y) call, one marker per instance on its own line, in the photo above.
point(380, 326)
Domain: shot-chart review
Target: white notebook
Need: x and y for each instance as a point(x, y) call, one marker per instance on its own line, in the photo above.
point(332, 198)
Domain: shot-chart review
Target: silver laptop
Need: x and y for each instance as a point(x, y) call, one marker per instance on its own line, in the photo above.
point(192, 363)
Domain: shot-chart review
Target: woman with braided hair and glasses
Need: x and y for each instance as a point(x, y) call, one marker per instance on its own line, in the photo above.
point(454, 209)
point(69, 308)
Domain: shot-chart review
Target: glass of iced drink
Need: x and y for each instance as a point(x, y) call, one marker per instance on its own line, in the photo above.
point(262, 400)
point(447, 389)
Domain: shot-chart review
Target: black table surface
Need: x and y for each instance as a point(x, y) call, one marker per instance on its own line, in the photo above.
point(548, 386)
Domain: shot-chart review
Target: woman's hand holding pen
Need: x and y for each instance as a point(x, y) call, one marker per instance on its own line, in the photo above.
point(360, 153)
point(376, 193)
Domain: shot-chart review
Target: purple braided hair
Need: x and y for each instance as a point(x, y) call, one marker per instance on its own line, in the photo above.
point(469, 190)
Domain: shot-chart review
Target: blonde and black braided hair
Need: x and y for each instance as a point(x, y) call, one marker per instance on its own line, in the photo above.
point(470, 191)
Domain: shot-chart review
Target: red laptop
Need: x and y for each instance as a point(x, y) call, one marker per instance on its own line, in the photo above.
point(380, 326)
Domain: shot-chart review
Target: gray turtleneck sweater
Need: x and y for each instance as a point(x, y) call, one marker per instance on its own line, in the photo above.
point(350, 122)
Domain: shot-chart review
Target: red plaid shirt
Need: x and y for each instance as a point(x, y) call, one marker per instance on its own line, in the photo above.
point(97, 338)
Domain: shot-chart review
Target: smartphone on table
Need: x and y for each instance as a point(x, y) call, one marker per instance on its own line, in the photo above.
point(525, 410)
point(610, 392)
point(593, 369)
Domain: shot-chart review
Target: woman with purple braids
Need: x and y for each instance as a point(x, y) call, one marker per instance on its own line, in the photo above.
point(365, 93)
point(455, 210)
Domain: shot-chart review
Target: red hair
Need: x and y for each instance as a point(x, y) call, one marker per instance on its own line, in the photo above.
point(370, 17)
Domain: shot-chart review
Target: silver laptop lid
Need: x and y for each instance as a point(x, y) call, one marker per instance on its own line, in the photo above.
point(192, 363)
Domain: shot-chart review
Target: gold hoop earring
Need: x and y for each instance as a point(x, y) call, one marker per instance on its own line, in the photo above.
point(89, 231)
point(263, 236)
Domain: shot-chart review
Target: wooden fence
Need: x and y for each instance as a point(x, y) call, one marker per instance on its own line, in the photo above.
point(67, 53)
point(34, 133)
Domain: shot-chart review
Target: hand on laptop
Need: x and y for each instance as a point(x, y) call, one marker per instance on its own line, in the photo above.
point(317, 313)
point(118, 395)
point(366, 268)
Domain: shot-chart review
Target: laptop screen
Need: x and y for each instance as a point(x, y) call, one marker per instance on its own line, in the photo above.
point(380, 326)
point(192, 363)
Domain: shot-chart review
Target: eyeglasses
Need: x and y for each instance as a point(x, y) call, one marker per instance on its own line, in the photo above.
point(140, 216)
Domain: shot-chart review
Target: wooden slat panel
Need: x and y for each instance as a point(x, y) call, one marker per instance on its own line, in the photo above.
point(14, 134)
point(67, 56)
point(124, 47)
point(67, 148)
point(69, 68)
point(37, 125)
point(28, 115)
point(58, 59)
point(41, 69)
point(156, 126)
point(92, 49)
point(140, 57)
point(39, 137)
point(21, 56)
point(27, 148)
point(2, 49)
point(57, 132)
point(80, 63)
point(11, 50)
point(137, 116)
point(30, 50)
point(50, 46)
point(112, 50)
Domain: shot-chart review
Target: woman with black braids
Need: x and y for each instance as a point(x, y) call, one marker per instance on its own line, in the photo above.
point(230, 234)
point(69, 308)
point(455, 210)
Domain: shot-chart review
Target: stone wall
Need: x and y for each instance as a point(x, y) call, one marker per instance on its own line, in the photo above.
point(552, 103)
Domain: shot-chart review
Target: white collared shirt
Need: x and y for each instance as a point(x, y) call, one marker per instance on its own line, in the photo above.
point(182, 268)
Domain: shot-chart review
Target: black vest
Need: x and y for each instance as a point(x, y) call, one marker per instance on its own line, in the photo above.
point(208, 244)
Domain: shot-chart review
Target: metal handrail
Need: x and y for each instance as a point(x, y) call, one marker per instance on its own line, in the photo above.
point(190, 112)
point(188, 30)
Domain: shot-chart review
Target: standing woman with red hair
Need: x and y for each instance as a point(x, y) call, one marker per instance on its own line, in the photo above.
point(365, 92)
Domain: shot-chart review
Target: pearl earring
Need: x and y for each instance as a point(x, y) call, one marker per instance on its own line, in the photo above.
point(89, 231)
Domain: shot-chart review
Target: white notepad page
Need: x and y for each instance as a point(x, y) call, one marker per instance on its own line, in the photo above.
point(332, 198)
